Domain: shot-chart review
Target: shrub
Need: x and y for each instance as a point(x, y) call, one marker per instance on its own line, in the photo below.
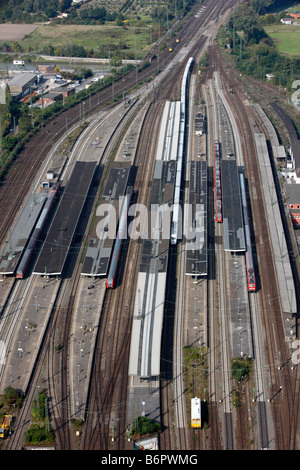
point(143, 425)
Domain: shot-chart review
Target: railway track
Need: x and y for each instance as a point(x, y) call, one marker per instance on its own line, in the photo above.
point(285, 404)
point(215, 434)
point(266, 264)
point(108, 396)
point(56, 363)
point(18, 180)
point(101, 441)
point(185, 438)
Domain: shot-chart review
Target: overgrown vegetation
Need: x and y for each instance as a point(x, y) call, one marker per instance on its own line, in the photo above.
point(241, 368)
point(90, 12)
point(195, 376)
point(10, 401)
point(126, 28)
point(39, 431)
point(143, 425)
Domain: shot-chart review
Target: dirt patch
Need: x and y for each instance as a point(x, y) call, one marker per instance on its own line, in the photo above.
point(15, 32)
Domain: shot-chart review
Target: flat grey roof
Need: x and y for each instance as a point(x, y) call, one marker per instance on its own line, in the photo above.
point(281, 258)
point(169, 132)
point(292, 192)
point(196, 244)
point(100, 246)
point(18, 239)
point(22, 78)
point(56, 246)
point(145, 346)
point(159, 221)
point(234, 238)
point(144, 360)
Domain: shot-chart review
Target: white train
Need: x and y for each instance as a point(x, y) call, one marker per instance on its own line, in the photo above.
point(251, 280)
point(175, 224)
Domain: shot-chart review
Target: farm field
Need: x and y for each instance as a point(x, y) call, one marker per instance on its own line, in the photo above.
point(15, 32)
point(286, 37)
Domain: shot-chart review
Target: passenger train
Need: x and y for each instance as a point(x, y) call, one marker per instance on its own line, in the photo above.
point(248, 255)
point(110, 281)
point(37, 231)
point(175, 224)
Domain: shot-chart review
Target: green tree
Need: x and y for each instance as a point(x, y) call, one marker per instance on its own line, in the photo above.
point(11, 397)
point(143, 425)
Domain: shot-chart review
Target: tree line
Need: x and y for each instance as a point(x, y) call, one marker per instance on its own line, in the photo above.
point(253, 50)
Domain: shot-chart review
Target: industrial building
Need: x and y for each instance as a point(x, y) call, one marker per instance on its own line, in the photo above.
point(292, 195)
point(20, 85)
point(50, 98)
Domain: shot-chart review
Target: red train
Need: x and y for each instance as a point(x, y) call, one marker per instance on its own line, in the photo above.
point(218, 190)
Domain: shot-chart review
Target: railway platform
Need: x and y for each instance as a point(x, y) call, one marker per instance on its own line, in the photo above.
point(144, 360)
point(100, 245)
point(196, 246)
point(20, 233)
point(56, 246)
point(282, 263)
point(234, 239)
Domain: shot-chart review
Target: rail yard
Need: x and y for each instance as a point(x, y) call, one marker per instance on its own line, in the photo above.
point(160, 239)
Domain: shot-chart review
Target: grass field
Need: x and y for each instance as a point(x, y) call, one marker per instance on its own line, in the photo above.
point(286, 37)
point(294, 8)
point(91, 37)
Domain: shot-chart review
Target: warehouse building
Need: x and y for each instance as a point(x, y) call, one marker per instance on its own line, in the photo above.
point(50, 98)
point(19, 86)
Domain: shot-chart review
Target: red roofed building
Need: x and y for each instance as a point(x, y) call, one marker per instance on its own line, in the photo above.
point(296, 15)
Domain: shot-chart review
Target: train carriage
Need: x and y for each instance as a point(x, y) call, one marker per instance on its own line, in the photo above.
point(196, 412)
point(23, 265)
point(110, 281)
point(218, 189)
point(251, 281)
